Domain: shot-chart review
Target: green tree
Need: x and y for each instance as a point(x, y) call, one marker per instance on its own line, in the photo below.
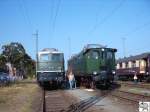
point(3, 67)
point(15, 54)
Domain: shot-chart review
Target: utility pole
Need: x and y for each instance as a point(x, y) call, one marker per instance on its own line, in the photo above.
point(36, 45)
point(69, 43)
point(124, 47)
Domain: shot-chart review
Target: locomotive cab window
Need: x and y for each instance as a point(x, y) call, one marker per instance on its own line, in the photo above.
point(109, 55)
point(103, 54)
point(44, 57)
point(92, 54)
point(56, 57)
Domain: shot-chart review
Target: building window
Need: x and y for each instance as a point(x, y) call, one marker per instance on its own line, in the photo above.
point(148, 61)
point(118, 66)
point(142, 63)
point(133, 64)
point(130, 64)
point(123, 65)
point(137, 63)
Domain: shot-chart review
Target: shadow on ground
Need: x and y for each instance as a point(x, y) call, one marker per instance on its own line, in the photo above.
point(84, 104)
point(112, 86)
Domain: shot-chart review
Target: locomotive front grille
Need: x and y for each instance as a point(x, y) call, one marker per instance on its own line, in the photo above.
point(103, 68)
point(49, 76)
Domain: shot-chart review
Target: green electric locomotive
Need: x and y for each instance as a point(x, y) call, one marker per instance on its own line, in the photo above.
point(94, 65)
point(50, 67)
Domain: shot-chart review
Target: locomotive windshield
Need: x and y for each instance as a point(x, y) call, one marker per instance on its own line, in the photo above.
point(51, 57)
point(56, 57)
point(109, 55)
point(93, 54)
point(51, 62)
point(44, 57)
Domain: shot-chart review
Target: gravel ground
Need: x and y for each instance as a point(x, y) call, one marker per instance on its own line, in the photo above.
point(142, 91)
point(87, 100)
point(26, 97)
point(102, 101)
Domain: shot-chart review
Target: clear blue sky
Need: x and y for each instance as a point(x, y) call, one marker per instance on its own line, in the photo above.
point(83, 21)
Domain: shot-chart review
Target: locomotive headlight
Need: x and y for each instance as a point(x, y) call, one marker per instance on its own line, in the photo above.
point(147, 73)
point(102, 49)
point(113, 72)
point(96, 57)
point(94, 72)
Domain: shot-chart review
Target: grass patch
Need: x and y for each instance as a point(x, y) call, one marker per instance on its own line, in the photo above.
point(3, 100)
point(19, 97)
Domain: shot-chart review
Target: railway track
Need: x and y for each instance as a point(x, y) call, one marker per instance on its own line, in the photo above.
point(59, 101)
point(133, 97)
point(63, 101)
point(55, 101)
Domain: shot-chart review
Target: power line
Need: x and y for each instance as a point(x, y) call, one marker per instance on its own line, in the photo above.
point(55, 17)
point(97, 14)
point(107, 17)
point(136, 29)
point(23, 7)
point(51, 13)
point(131, 32)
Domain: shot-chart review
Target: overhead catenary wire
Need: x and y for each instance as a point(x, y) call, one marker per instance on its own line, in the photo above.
point(136, 29)
point(107, 17)
point(97, 14)
point(24, 10)
point(50, 19)
point(51, 13)
point(124, 37)
point(55, 18)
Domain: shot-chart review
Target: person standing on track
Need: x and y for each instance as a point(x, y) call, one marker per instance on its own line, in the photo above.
point(135, 78)
point(71, 79)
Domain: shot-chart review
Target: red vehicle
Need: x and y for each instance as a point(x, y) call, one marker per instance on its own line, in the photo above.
point(134, 65)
